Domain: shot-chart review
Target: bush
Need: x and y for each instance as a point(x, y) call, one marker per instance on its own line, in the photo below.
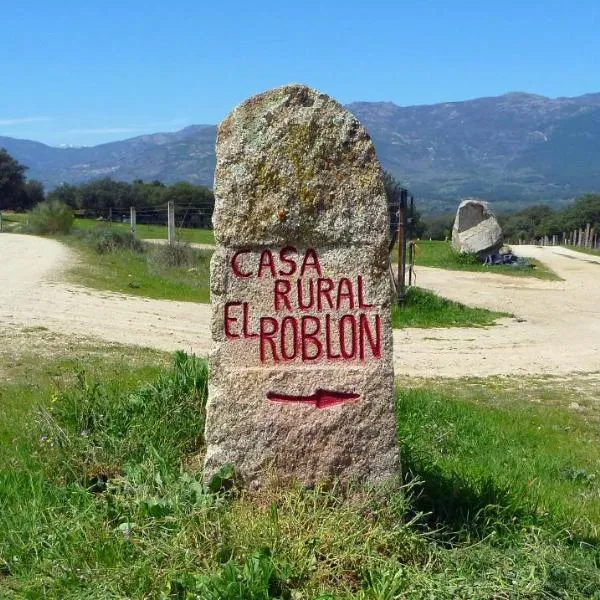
point(164, 258)
point(113, 240)
point(177, 255)
point(97, 431)
point(51, 217)
point(466, 258)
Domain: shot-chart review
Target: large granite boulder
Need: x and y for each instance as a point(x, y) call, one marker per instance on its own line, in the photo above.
point(476, 228)
point(301, 374)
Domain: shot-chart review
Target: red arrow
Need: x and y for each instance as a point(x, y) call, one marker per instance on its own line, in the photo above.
point(321, 398)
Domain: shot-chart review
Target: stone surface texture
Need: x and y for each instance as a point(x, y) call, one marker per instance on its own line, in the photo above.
point(300, 208)
point(476, 228)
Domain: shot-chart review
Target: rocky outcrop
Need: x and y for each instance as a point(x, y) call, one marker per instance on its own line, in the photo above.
point(476, 228)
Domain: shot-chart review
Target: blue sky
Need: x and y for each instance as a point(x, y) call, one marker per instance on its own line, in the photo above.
point(76, 72)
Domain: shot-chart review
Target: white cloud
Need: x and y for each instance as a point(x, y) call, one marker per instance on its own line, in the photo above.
point(171, 123)
point(22, 121)
point(103, 130)
point(177, 122)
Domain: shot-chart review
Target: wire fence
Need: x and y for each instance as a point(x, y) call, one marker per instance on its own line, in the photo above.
point(586, 237)
point(190, 216)
point(401, 210)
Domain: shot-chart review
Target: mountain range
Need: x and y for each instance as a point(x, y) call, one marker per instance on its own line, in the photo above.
point(515, 149)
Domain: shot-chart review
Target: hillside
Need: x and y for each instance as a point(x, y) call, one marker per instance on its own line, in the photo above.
point(514, 149)
point(186, 155)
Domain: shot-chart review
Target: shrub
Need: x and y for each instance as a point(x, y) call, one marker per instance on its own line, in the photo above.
point(466, 258)
point(113, 240)
point(51, 217)
point(176, 255)
point(181, 263)
point(97, 430)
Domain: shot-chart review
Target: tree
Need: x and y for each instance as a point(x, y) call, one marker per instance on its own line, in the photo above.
point(439, 227)
point(527, 223)
point(540, 220)
point(32, 193)
point(104, 194)
point(585, 210)
point(67, 194)
point(12, 180)
point(393, 191)
point(149, 194)
point(194, 203)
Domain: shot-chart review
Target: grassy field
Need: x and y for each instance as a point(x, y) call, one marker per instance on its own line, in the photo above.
point(541, 437)
point(182, 273)
point(98, 497)
point(151, 271)
point(584, 250)
point(13, 221)
point(25, 380)
point(423, 308)
point(150, 232)
point(428, 253)
point(440, 255)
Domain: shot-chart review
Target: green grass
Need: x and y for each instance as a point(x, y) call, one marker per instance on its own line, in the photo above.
point(584, 250)
point(150, 232)
point(25, 380)
point(14, 217)
point(423, 308)
point(13, 222)
point(442, 256)
point(141, 274)
point(128, 271)
point(100, 498)
point(144, 274)
point(541, 461)
point(149, 273)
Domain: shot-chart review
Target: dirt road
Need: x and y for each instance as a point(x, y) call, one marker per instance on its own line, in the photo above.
point(557, 329)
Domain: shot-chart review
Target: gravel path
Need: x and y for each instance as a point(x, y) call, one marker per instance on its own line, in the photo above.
point(556, 329)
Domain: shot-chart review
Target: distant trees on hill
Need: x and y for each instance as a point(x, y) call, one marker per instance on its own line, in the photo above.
point(16, 191)
point(531, 222)
point(539, 221)
point(193, 203)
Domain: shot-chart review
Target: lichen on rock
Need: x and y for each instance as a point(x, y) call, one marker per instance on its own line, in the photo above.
point(307, 165)
point(476, 229)
point(301, 374)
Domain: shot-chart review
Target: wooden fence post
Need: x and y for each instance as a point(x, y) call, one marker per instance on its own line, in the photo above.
point(402, 247)
point(132, 219)
point(171, 222)
point(586, 235)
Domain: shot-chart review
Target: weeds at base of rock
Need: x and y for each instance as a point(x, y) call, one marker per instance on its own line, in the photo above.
point(97, 501)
